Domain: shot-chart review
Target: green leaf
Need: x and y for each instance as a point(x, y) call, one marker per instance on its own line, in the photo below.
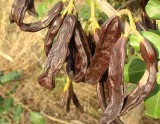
point(152, 103)
point(4, 121)
point(14, 75)
point(134, 41)
point(17, 112)
point(41, 8)
point(153, 9)
point(158, 24)
point(134, 70)
point(14, 89)
point(2, 110)
point(155, 31)
point(158, 77)
point(154, 39)
point(152, 36)
point(85, 12)
point(36, 118)
point(8, 104)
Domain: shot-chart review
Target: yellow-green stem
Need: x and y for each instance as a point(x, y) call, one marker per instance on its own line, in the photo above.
point(68, 82)
point(92, 9)
point(70, 8)
point(93, 22)
point(132, 21)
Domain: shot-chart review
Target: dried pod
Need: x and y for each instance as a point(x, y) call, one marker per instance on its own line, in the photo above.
point(58, 52)
point(91, 43)
point(147, 83)
point(104, 98)
point(115, 81)
point(19, 9)
point(66, 101)
point(31, 9)
point(68, 96)
point(101, 95)
point(110, 32)
point(79, 57)
point(140, 26)
point(52, 32)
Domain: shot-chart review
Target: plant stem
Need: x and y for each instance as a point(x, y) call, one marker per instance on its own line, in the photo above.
point(106, 8)
point(92, 9)
point(67, 84)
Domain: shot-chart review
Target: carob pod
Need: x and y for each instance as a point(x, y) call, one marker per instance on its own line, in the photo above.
point(146, 20)
point(19, 9)
point(109, 33)
point(52, 32)
point(58, 53)
point(68, 96)
point(147, 83)
point(31, 9)
point(91, 43)
point(140, 26)
point(66, 101)
point(115, 81)
point(101, 95)
point(79, 56)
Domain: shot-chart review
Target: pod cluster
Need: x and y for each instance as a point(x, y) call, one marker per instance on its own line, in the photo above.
point(97, 59)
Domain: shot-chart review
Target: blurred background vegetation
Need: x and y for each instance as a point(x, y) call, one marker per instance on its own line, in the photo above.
point(22, 58)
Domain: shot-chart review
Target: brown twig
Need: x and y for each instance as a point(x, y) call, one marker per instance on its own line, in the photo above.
point(106, 8)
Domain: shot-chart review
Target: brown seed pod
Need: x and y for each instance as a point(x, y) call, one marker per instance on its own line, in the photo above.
point(147, 83)
point(115, 81)
point(101, 95)
point(79, 57)
point(68, 96)
point(52, 32)
point(58, 53)
point(19, 9)
point(104, 99)
point(108, 35)
point(140, 26)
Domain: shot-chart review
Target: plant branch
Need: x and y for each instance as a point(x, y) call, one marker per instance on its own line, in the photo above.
point(106, 8)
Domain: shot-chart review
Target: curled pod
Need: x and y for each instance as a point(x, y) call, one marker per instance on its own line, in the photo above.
point(68, 96)
point(115, 81)
point(52, 32)
point(66, 101)
point(108, 35)
point(140, 26)
point(146, 20)
point(79, 56)
point(31, 9)
point(58, 53)
point(147, 83)
point(103, 97)
point(19, 9)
